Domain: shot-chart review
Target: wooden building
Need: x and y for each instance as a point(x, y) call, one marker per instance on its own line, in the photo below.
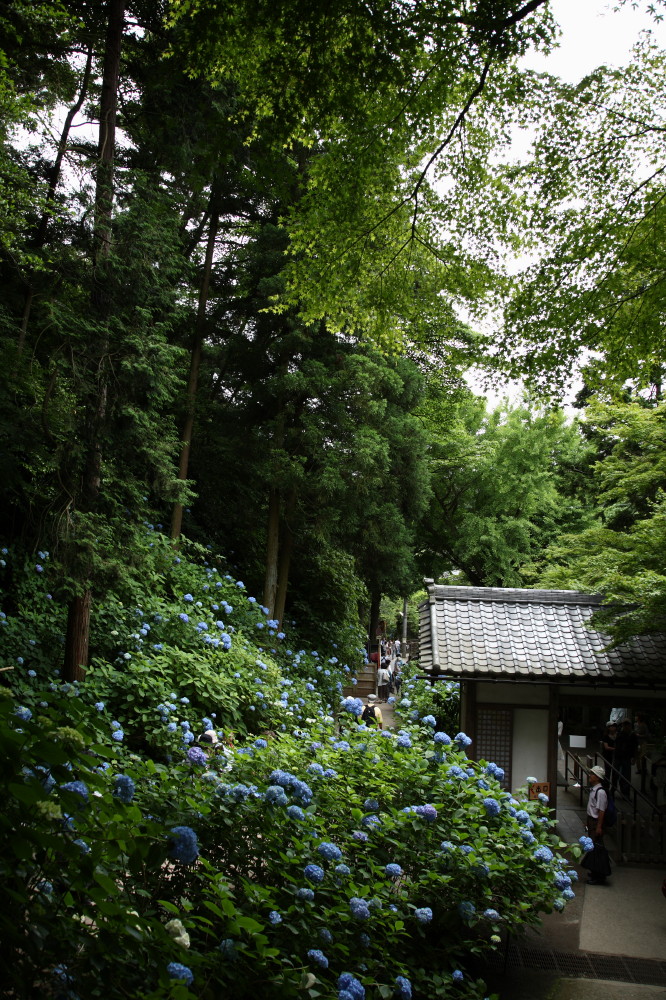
point(527, 661)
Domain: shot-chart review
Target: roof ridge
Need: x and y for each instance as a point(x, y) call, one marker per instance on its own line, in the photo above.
point(511, 594)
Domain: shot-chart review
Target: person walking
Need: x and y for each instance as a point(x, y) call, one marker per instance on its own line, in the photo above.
point(383, 678)
point(597, 861)
point(371, 714)
point(626, 748)
point(608, 748)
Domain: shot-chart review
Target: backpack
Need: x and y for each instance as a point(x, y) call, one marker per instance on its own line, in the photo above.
point(369, 714)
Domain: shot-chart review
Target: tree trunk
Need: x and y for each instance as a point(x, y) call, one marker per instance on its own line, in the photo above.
point(195, 364)
point(375, 601)
point(272, 551)
point(404, 626)
point(78, 612)
point(76, 641)
point(284, 561)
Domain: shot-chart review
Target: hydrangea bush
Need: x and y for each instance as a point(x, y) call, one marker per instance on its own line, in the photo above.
point(437, 705)
point(119, 868)
point(195, 632)
point(310, 855)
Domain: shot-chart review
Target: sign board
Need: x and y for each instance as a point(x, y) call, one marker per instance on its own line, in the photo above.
point(538, 787)
point(578, 742)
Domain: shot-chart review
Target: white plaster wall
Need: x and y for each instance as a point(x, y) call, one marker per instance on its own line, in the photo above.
point(511, 694)
point(530, 745)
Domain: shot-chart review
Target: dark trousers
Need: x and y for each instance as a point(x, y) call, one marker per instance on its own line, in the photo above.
point(624, 778)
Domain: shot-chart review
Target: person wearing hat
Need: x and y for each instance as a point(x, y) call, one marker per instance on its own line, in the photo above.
point(596, 810)
point(371, 714)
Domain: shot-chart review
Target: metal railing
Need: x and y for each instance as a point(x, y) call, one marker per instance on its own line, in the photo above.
point(615, 778)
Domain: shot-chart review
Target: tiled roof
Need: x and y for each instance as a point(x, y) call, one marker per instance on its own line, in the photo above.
point(493, 632)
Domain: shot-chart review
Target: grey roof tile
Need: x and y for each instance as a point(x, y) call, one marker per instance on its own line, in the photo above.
point(537, 633)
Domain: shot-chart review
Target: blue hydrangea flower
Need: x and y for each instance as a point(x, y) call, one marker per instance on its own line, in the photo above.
point(429, 720)
point(274, 918)
point(543, 853)
point(79, 787)
point(314, 873)
point(393, 870)
point(276, 796)
point(183, 845)
point(23, 713)
point(442, 739)
point(343, 869)
point(423, 914)
point(61, 972)
point(558, 904)
point(172, 727)
point(306, 894)
point(446, 846)
point(466, 910)
point(527, 837)
point(462, 740)
point(562, 880)
point(457, 976)
point(359, 908)
point(115, 725)
point(403, 988)
point(261, 744)
point(326, 935)
point(180, 972)
point(318, 957)
point(542, 797)
point(371, 820)
point(124, 788)
point(295, 812)
point(492, 807)
point(491, 914)
point(81, 844)
point(330, 852)
point(404, 741)
point(531, 781)
point(586, 843)
point(351, 985)
point(196, 755)
point(427, 812)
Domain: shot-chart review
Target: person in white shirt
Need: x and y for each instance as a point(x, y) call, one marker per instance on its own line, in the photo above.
point(597, 805)
point(383, 678)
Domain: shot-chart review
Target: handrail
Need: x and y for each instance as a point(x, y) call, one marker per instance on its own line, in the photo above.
point(579, 765)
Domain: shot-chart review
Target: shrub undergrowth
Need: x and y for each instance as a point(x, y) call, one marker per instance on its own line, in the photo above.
point(302, 854)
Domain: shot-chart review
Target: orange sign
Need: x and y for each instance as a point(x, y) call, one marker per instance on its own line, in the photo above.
point(537, 788)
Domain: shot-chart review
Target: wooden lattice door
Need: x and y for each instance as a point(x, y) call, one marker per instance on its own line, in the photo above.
point(494, 737)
